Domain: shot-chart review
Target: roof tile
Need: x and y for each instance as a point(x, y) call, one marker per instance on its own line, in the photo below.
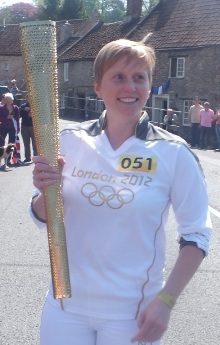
point(88, 47)
point(181, 24)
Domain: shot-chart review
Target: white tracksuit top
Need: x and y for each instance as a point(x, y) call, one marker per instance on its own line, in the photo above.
point(116, 205)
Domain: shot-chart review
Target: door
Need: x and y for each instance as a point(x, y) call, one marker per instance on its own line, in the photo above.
point(160, 104)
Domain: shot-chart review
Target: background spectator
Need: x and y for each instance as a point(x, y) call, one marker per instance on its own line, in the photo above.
point(194, 121)
point(207, 117)
point(27, 131)
point(170, 121)
point(9, 122)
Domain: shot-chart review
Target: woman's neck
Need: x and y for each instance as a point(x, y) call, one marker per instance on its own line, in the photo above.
point(118, 132)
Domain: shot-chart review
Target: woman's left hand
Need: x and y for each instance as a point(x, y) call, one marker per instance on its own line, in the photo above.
point(153, 322)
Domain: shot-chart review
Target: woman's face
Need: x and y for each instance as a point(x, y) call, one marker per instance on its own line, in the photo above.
point(8, 101)
point(124, 88)
point(206, 106)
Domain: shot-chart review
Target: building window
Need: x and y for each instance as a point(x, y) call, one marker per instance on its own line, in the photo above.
point(177, 67)
point(5, 65)
point(62, 101)
point(66, 71)
point(99, 106)
point(187, 105)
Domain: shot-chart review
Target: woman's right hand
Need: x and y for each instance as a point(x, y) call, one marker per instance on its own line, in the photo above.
point(44, 174)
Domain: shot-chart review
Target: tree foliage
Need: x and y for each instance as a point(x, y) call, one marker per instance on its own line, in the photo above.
point(72, 9)
point(59, 9)
point(114, 10)
point(49, 9)
point(17, 13)
point(148, 5)
point(110, 10)
point(90, 6)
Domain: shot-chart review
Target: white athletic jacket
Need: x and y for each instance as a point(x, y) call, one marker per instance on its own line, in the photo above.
point(116, 205)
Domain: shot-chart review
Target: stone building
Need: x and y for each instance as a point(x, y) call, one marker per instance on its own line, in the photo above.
point(75, 64)
point(185, 35)
point(11, 63)
point(186, 38)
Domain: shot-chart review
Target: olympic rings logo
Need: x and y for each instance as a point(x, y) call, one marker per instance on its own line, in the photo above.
point(107, 194)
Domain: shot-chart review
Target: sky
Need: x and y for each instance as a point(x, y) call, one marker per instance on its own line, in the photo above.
point(11, 2)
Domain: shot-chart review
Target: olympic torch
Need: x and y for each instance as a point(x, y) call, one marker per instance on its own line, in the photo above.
point(39, 50)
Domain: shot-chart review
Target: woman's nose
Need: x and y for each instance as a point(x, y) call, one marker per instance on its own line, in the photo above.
point(129, 84)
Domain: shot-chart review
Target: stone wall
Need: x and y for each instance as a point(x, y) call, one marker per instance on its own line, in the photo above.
point(202, 75)
point(77, 88)
point(15, 70)
point(202, 79)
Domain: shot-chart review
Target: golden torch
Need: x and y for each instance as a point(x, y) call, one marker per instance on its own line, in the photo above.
point(39, 50)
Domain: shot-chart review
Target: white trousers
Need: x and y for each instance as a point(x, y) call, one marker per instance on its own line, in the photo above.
point(60, 327)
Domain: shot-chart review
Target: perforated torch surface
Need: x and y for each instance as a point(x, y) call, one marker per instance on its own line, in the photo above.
point(39, 50)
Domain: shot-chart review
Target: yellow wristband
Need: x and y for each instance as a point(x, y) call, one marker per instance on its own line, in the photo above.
point(166, 298)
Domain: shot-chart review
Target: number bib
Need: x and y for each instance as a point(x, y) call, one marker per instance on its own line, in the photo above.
point(137, 163)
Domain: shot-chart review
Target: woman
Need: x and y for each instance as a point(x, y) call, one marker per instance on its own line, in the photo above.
point(120, 175)
point(9, 120)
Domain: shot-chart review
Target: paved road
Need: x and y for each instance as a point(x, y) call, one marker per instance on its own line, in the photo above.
point(25, 272)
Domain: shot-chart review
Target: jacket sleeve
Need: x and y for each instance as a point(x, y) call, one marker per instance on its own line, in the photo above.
point(189, 199)
point(38, 222)
point(21, 110)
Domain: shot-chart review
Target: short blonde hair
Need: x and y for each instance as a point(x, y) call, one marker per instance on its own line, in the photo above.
point(9, 95)
point(123, 48)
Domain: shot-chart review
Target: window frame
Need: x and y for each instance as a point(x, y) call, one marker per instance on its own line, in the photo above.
point(187, 103)
point(66, 71)
point(179, 68)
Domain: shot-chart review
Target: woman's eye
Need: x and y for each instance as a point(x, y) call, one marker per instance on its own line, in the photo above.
point(140, 77)
point(119, 77)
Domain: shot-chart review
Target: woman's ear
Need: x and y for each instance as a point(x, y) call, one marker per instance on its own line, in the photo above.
point(97, 90)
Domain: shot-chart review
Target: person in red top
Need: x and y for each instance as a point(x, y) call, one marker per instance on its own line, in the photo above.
point(206, 119)
point(217, 127)
point(9, 120)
